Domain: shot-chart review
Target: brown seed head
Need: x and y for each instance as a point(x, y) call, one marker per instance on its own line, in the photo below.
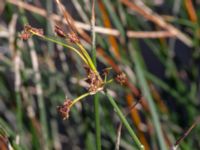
point(29, 31)
point(59, 32)
point(25, 36)
point(121, 78)
point(73, 37)
point(64, 109)
point(94, 80)
point(106, 71)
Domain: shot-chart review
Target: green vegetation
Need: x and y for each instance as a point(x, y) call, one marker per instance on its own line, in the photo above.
point(99, 74)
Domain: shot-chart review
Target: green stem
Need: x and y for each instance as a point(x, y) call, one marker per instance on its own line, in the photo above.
point(43, 119)
point(125, 122)
point(97, 121)
point(145, 89)
point(91, 63)
point(50, 45)
point(19, 112)
point(62, 44)
point(39, 92)
point(96, 96)
point(109, 81)
point(17, 92)
point(79, 98)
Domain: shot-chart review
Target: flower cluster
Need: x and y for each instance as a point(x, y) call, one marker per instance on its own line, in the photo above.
point(64, 109)
point(121, 78)
point(94, 79)
point(29, 31)
point(73, 38)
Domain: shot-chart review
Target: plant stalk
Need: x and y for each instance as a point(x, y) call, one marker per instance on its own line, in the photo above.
point(125, 122)
point(96, 96)
point(144, 86)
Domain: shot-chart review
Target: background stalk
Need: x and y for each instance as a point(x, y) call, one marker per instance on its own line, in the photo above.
point(146, 92)
point(38, 86)
point(125, 122)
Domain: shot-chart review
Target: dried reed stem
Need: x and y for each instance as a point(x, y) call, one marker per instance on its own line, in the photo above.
point(98, 29)
point(147, 13)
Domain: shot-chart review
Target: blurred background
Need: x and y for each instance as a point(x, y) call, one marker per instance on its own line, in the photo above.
point(154, 42)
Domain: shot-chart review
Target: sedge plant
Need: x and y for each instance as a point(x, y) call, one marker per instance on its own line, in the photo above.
point(96, 82)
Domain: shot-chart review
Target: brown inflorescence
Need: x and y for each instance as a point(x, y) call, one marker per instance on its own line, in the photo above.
point(121, 78)
point(105, 72)
point(73, 37)
point(60, 32)
point(64, 109)
point(94, 80)
point(29, 31)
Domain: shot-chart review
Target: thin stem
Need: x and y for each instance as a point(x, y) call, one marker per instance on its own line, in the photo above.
point(91, 63)
point(19, 112)
point(62, 44)
point(97, 121)
point(83, 54)
point(145, 89)
point(93, 33)
point(17, 91)
point(185, 134)
point(39, 91)
point(79, 98)
point(49, 6)
point(96, 96)
point(109, 81)
point(125, 122)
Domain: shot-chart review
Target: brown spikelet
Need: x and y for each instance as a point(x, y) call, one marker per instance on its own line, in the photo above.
point(59, 32)
point(106, 71)
point(121, 78)
point(26, 34)
point(64, 109)
point(38, 31)
point(73, 37)
point(29, 31)
point(94, 80)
